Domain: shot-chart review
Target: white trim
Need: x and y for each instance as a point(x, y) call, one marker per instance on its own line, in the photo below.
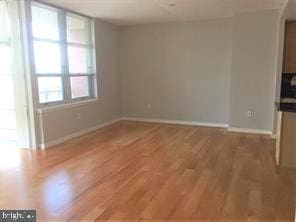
point(66, 106)
point(253, 131)
point(25, 19)
point(218, 125)
point(77, 134)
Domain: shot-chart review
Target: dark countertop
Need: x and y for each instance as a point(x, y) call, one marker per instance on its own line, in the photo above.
point(286, 107)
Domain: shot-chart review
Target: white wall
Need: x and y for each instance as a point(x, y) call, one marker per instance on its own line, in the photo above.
point(253, 70)
point(207, 71)
point(63, 122)
point(181, 69)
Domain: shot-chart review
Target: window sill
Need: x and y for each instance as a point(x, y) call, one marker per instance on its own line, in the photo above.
point(65, 106)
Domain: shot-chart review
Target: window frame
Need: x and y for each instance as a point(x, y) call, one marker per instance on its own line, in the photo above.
point(63, 45)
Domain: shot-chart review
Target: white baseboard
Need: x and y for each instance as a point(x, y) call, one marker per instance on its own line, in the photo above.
point(218, 125)
point(76, 134)
point(94, 128)
point(252, 131)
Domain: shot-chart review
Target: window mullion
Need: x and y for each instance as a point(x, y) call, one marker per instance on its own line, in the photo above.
point(92, 60)
point(90, 50)
point(64, 55)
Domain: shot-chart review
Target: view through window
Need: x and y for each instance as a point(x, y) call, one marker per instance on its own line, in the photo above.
point(8, 125)
point(63, 51)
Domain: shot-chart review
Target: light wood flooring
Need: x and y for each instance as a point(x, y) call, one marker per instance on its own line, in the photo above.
point(133, 171)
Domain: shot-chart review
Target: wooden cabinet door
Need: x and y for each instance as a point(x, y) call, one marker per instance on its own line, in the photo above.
point(290, 48)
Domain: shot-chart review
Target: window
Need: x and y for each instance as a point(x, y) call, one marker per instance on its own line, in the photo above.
point(8, 123)
point(50, 89)
point(63, 52)
point(52, 63)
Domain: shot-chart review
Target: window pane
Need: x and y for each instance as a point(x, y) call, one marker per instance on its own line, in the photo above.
point(79, 86)
point(5, 60)
point(7, 119)
point(6, 93)
point(50, 89)
point(76, 30)
point(47, 57)
point(8, 134)
point(45, 23)
point(77, 59)
point(4, 21)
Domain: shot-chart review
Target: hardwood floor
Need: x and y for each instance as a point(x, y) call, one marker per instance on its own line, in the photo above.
point(140, 171)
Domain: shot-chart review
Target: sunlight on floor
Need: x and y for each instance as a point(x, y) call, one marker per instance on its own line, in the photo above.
point(57, 190)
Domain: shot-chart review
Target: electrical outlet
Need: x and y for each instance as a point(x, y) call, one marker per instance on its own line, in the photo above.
point(148, 106)
point(250, 114)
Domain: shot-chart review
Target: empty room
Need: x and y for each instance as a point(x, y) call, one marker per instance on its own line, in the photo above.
point(148, 110)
